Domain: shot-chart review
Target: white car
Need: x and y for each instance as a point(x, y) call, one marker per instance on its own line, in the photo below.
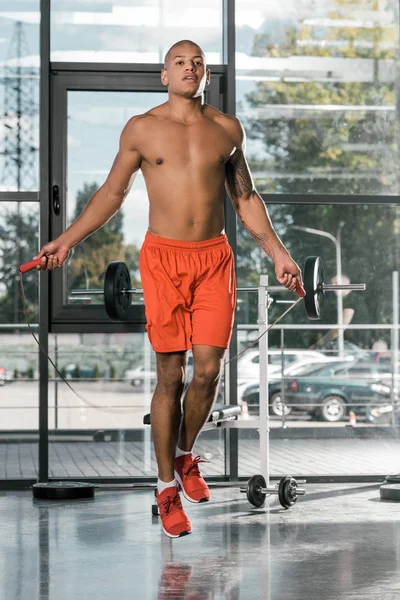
point(249, 363)
point(4, 376)
point(139, 374)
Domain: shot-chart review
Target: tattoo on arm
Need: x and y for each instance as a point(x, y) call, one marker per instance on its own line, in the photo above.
point(264, 240)
point(240, 187)
point(238, 178)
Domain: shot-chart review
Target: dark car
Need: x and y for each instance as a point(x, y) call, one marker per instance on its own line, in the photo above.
point(251, 394)
point(331, 391)
point(82, 371)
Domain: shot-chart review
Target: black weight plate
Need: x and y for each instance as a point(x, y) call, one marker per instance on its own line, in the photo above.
point(253, 490)
point(63, 490)
point(313, 278)
point(390, 491)
point(116, 280)
point(287, 491)
point(392, 479)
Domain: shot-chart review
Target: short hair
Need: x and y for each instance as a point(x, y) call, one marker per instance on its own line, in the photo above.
point(180, 43)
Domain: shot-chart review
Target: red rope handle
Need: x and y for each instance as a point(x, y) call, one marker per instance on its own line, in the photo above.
point(32, 264)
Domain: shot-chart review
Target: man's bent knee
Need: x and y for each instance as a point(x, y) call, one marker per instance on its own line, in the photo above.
point(207, 376)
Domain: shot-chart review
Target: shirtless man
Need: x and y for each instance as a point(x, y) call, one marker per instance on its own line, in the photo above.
point(189, 153)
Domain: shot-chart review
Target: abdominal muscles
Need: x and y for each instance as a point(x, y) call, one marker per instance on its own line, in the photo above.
point(186, 203)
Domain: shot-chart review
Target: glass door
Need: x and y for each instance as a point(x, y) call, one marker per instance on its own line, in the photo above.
point(110, 365)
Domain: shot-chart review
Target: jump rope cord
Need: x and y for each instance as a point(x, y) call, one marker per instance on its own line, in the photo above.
point(112, 410)
point(94, 406)
point(264, 332)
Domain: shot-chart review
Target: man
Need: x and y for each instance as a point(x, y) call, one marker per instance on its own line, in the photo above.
point(189, 153)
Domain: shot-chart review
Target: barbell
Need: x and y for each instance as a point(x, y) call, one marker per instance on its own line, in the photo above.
point(118, 291)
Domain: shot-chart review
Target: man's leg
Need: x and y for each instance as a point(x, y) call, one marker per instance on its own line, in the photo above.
point(166, 409)
point(165, 420)
point(201, 393)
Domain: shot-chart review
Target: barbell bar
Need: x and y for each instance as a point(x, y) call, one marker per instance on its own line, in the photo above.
point(118, 291)
point(276, 288)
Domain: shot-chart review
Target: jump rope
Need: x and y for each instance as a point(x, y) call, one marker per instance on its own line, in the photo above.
point(29, 266)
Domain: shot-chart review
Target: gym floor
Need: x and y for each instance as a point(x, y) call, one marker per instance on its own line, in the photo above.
point(339, 541)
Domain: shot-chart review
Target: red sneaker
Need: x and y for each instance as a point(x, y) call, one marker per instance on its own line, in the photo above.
point(187, 473)
point(174, 520)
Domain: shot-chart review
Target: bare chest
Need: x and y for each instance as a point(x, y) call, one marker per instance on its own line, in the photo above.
point(201, 145)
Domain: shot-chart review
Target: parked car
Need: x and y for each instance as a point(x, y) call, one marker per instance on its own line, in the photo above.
point(249, 363)
point(3, 376)
point(82, 371)
point(251, 392)
point(139, 374)
point(338, 388)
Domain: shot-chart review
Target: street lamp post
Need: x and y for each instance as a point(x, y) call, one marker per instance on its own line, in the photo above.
point(337, 242)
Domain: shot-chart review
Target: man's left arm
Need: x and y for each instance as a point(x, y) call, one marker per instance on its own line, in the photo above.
point(253, 213)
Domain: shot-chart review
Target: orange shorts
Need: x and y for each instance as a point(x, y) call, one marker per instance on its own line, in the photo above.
point(189, 291)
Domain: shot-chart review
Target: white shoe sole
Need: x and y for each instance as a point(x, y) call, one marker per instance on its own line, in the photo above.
point(176, 536)
point(179, 480)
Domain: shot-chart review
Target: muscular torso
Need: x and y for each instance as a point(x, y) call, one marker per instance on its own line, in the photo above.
point(184, 170)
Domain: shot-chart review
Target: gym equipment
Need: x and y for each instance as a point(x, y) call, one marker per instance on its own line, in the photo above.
point(116, 300)
point(392, 479)
point(118, 292)
point(256, 490)
point(313, 276)
point(287, 490)
point(228, 412)
point(117, 288)
point(314, 280)
point(63, 490)
point(390, 491)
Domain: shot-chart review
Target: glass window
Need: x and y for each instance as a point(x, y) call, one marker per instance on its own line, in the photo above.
point(315, 84)
point(140, 31)
point(18, 350)
point(19, 230)
point(19, 412)
point(360, 371)
point(365, 248)
point(115, 376)
point(19, 96)
point(337, 372)
point(314, 408)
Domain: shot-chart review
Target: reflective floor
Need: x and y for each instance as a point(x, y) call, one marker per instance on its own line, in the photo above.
point(339, 541)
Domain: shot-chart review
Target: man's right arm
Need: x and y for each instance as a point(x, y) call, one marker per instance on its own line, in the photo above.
point(108, 199)
point(104, 203)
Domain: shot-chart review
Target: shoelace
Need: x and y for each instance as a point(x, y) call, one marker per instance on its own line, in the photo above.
point(170, 502)
point(194, 466)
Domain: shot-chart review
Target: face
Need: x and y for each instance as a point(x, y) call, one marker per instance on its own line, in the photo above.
point(186, 74)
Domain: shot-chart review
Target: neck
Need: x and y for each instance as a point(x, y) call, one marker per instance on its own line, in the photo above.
point(185, 109)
